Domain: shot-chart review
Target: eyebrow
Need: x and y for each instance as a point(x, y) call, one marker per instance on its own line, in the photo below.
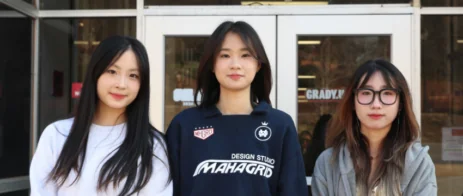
point(242, 49)
point(383, 86)
point(134, 69)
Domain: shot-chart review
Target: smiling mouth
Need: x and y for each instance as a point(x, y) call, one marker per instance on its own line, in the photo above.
point(375, 116)
point(117, 96)
point(235, 76)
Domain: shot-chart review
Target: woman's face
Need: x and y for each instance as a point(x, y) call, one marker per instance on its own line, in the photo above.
point(235, 67)
point(118, 86)
point(376, 111)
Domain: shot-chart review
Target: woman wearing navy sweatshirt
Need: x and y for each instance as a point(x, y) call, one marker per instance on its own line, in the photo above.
point(234, 143)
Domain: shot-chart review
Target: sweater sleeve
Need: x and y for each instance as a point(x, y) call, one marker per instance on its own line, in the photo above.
point(319, 183)
point(173, 145)
point(42, 163)
point(428, 183)
point(292, 181)
point(159, 183)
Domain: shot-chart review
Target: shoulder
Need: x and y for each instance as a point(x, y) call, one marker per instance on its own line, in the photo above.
point(187, 114)
point(55, 134)
point(417, 154)
point(278, 113)
point(323, 163)
point(160, 150)
point(325, 157)
point(418, 163)
point(280, 116)
point(158, 140)
point(58, 128)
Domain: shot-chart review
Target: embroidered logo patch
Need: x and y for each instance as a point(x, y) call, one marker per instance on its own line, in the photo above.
point(263, 133)
point(203, 132)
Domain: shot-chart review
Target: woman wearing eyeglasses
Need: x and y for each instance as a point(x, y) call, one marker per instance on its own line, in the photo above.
point(373, 140)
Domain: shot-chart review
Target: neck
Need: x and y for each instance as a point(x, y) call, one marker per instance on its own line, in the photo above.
point(375, 139)
point(235, 102)
point(107, 116)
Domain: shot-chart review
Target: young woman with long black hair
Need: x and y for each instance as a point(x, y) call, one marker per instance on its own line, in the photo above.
point(109, 147)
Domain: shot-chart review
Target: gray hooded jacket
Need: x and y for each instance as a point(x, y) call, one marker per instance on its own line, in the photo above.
point(338, 179)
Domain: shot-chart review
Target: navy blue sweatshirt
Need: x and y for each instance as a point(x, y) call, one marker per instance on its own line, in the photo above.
point(235, 155)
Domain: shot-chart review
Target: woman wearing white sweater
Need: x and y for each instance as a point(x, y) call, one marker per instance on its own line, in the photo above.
point(109, 147)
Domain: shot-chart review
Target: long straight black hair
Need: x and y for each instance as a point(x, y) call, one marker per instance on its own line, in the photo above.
point(207, 85)
point(140, 136)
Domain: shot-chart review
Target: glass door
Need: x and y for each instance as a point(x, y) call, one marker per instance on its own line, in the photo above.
point(175, 45)
point(316, 57)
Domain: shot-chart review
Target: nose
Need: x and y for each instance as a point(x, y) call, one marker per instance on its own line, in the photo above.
point(122, 82)
point(235, 63)
point(376, 102)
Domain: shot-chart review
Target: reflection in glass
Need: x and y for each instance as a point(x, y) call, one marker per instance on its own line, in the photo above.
point(66, 46)
point(442, 98)
point(182, 62)
point(87, 4)
point(268, 2)
point(325, 65)
point(15, 96)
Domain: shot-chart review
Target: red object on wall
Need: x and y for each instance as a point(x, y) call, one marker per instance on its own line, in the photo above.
point(76, 88)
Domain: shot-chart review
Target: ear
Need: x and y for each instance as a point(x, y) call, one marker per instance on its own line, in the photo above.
point(258, 67)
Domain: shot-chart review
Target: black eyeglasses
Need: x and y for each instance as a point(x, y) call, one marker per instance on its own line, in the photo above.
point(366, 96)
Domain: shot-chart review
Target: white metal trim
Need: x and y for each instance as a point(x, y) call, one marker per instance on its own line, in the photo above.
point(35, 89)
point(279, 10)
point(22, 7)
point(308, 179)
point(11, 14)
point(14, 184)
point(140, 20)
point(415, 82)
point(441, 11)
point(87, 13)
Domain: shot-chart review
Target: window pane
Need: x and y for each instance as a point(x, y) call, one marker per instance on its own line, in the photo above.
point(15, 96)
point(66, 46)
point(442, 3)
point(442, 98)
point(87, 4)
point(182, 62)
point(268, 2)
point(324, 70)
